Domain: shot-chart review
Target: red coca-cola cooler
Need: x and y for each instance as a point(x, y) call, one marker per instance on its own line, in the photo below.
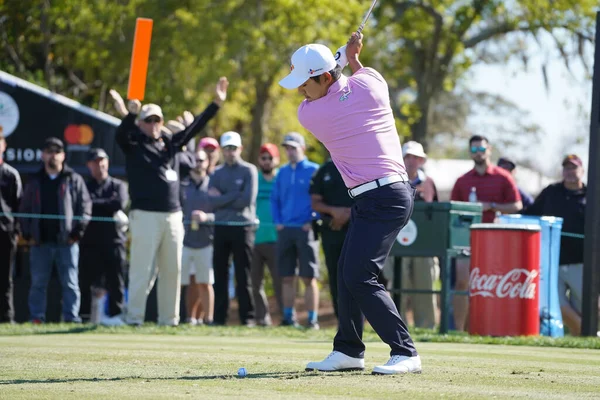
point(504, 280)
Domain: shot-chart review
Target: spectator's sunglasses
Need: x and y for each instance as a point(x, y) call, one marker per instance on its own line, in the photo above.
point(266, 158)
point(199, 160)
point(475, 149)
point(152, 119)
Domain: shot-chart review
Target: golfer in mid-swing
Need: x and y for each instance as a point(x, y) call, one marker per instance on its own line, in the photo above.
point(353, 118)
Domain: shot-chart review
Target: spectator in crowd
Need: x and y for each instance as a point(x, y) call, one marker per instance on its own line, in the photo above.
point(419, 272)
point(185, 157)
point(211, 147)
point(266, 236)
point(59, 193)
point(102, 251)
point(566, 199)
point(329, 197)
point(296, 243)
point(507, 164)
point(197, 264)
point(156, 217)
point(233, 189)
point(497, 191)
point(10, 197)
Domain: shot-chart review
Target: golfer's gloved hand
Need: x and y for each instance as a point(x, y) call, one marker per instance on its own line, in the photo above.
point(340, 57)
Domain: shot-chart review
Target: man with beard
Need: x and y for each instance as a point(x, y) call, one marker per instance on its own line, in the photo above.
point(233, 189)
point(496, 190)
point(103, 257)
point(266, 236)
point(58, 193)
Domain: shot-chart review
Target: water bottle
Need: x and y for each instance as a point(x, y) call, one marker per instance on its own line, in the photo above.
point(473, 195)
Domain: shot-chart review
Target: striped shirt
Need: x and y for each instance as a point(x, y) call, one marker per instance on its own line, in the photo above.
point(495, 186)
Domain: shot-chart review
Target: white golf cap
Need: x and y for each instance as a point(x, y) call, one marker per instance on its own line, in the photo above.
point(231, 139)
point(413, 148)
point(308, 61)
point(149, 110)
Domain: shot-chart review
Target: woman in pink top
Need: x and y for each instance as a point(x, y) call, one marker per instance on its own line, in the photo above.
point(352, 117)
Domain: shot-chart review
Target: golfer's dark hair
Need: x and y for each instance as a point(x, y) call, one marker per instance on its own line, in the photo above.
point(478, 138)
point(335, 74)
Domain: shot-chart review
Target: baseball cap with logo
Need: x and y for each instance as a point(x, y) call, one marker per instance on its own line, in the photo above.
point(294, 139)
point(231, 139)
point(269, 148)
point(96, 153)
point(308, 61)
point(572, 159)
point(149, 110)
point(413, 148)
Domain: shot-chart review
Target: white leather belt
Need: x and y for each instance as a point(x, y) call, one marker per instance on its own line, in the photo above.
point(365, 187)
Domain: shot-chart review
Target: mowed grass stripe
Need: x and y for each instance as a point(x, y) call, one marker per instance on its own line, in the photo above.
point(159, 366)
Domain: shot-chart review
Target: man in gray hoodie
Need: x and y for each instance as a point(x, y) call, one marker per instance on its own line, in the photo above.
point(233, 190)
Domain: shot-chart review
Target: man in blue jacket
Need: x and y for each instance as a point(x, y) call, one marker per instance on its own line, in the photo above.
point(296, 242)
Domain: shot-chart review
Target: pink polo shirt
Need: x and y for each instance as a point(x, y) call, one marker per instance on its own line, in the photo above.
point(355, 122)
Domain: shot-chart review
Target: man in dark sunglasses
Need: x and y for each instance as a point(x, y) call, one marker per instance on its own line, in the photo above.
point(496, 190)
point(152, 171)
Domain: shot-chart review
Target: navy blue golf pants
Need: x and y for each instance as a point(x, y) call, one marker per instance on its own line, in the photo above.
point(377, 217)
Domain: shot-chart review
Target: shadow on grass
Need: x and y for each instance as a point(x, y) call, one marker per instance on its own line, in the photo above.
point(262, 375)
point(63, 329)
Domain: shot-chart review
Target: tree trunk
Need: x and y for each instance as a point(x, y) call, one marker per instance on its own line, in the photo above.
point(258, 119)
point(419, 130)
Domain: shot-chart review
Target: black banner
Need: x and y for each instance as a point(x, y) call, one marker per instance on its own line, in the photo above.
point(29, 114)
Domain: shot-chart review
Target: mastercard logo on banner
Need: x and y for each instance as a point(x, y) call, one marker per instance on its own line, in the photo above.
point(79, 134)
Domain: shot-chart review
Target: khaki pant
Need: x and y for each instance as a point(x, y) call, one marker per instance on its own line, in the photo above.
point(420, 273)
point(417, 273)
point(155, 236)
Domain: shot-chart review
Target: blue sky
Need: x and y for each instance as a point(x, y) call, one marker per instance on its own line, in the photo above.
point(555, 110)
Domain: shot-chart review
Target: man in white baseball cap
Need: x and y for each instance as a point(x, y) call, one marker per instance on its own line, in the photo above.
point(233, 189)
point(353, 118)
point(308, 61)
point(419, 272)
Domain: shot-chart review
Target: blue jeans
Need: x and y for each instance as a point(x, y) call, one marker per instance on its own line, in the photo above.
point(41, 259)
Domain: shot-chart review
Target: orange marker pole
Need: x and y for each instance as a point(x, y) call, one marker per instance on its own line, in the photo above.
point(139, 59)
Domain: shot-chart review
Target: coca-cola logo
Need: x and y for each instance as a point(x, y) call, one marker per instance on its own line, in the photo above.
point(516, 283)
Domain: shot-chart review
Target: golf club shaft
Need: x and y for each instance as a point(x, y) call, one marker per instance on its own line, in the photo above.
point(362, 25)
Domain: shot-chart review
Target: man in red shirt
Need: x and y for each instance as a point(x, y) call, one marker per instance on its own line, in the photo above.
point(497, 191)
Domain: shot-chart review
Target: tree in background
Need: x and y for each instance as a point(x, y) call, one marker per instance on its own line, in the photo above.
point(82, 49)
point(431, 44)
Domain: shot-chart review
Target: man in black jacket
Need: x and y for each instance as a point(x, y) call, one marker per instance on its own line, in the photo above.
point(566, 199)
point(103, 257)
point(60, 196)
point(156, 218)
point(10, 196)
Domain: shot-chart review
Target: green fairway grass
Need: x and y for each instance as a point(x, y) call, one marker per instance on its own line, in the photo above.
point(74, 362)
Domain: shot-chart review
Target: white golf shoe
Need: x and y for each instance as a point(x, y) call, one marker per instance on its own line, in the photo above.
point(399, 365)
point(337, 361)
